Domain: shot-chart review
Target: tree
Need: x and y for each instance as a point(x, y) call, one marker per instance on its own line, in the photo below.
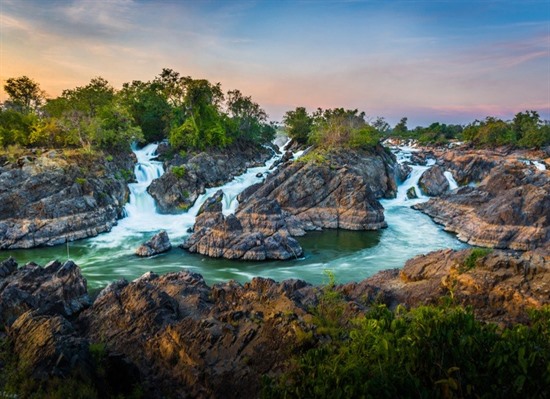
point(298, 124)
point(400, 129)
point(149, 107)
point(25, 94)
point(247, 118)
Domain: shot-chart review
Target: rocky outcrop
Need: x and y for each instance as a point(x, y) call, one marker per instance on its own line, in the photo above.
point(500, 286)
point(411, 193)
point(257, 232)
point(508, 209)
point(330, 190)
point(176, 336)
point(54, 289)
point(188, 176)
point(158, 244)
point(340, 191)
point(52, 198)
point(433, 182)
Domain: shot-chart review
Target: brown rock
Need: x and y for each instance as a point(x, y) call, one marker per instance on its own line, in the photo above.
point(509, 209)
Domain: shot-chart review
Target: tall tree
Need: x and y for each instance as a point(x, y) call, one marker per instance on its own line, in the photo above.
point(25, 94)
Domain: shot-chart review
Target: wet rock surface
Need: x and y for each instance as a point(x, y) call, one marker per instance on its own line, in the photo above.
point(49, 199)
point(158, 244)
point(188, 176)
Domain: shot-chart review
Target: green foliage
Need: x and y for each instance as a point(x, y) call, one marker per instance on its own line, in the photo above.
point(80, 180)
point(336, 128)
point(179, 171)
point(315, 156)
point(475, 254)
point(430, 351)
point(298, 124)
point(24, 94)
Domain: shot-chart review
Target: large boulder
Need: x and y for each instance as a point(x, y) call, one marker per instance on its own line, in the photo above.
point(508, 209)
point(257, 232)
point(158, 244)
point(433, 181)
point(339, 191)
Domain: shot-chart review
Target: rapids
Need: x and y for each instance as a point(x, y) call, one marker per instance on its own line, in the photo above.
point(350, 255)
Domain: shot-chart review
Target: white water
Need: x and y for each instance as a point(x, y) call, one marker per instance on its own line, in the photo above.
point(142, 217)
point(539, 165)
point(452, 182)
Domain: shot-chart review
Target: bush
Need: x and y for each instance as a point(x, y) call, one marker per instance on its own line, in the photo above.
point(427, 352)
point(179, 171)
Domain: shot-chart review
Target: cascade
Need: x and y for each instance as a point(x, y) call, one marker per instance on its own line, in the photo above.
point(141, 216)
point(452, 182)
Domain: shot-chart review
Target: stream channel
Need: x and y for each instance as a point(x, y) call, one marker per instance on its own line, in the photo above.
point(350, 255)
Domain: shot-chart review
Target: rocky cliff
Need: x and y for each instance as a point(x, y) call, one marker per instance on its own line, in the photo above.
point(58, 196)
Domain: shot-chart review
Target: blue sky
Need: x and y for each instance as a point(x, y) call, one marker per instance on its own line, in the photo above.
point(429, 60)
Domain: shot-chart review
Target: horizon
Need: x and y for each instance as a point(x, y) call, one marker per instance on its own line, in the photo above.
point(430, 61)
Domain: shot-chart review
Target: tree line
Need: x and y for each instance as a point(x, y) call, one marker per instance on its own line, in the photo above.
point(190, 113)
point(349, 127)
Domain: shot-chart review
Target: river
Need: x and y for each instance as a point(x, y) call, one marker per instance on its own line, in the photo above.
point(350, 255)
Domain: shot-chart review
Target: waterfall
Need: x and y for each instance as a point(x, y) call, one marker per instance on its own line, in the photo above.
point(145, 171)
point(452, 182)
point(141, 216)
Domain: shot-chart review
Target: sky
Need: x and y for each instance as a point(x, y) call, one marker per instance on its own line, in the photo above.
point(427, 60)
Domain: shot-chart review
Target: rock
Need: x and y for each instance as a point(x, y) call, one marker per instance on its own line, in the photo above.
point(48, 200)
point(55, 289)
point(49, 346)
point(508, 209)
point(257, 232)
point(158, 244)
point(433, 182)
point(191, 340)
point(203, 170)
point(411, 193)
point(259, 175)
point(501, 287)
point(403, 172)
point(341, 192)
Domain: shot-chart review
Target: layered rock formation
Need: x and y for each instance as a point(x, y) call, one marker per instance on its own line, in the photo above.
point(259, 232)
point(338, 189)
point(188, 176)
point(500, 286)
point(508, 209)
point(52, 198)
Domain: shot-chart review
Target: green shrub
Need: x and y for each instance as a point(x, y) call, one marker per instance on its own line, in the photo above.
point(427, 352)
point(475, 254)
point(179, 171)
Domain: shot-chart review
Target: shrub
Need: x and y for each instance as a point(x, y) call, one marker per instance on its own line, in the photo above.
point(179, 171)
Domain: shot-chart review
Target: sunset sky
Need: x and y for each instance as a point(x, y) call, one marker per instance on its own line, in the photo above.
point(429, 60)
